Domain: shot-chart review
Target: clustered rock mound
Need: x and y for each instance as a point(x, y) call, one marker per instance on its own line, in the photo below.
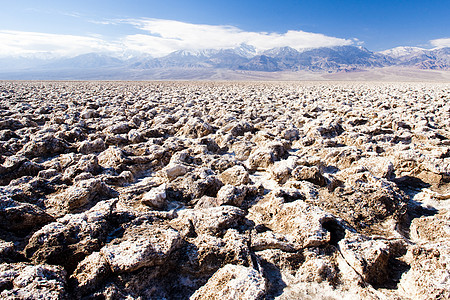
point(224, 190)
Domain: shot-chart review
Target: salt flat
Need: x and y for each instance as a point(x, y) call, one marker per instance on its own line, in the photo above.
point(239, 190)
point(385, 74)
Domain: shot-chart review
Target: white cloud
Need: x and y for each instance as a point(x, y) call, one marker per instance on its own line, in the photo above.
point(21, 43)
point(158, 38)
point(155, 46)
point(445, 42)
point(168, 35)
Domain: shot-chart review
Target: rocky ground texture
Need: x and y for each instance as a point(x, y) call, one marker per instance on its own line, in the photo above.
point(238, 190)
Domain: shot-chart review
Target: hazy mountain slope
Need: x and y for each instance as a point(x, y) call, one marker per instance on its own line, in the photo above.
point(85, 61)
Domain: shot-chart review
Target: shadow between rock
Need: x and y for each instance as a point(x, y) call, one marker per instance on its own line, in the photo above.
point(275, 283)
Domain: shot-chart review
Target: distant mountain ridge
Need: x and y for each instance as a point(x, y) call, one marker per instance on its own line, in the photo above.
point(327, 59)
point(244, 58)
point(320, 59)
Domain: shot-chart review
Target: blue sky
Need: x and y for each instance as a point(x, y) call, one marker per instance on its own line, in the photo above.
point(67, 28)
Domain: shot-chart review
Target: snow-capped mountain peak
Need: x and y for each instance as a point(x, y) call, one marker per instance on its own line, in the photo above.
point(400, 52)
point(245, 50)
point(281, 51)
point(194, 52)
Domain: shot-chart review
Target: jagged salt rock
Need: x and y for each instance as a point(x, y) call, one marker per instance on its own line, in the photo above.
point(233, 282)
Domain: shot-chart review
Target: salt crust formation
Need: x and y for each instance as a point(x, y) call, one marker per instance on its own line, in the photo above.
point(181, 190)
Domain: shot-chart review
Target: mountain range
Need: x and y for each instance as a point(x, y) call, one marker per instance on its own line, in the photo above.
point(242, 58)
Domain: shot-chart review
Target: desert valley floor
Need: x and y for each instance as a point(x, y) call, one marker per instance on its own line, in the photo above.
point(224, 190)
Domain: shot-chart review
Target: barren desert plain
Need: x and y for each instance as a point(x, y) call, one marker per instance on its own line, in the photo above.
point(224, 190)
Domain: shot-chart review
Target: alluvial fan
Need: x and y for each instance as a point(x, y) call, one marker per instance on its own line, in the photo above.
point(228, 190)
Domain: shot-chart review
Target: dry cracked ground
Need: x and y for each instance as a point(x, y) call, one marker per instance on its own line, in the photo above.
point(238, 190)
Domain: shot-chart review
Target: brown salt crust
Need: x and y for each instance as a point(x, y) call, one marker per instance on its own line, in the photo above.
point(152, 190)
